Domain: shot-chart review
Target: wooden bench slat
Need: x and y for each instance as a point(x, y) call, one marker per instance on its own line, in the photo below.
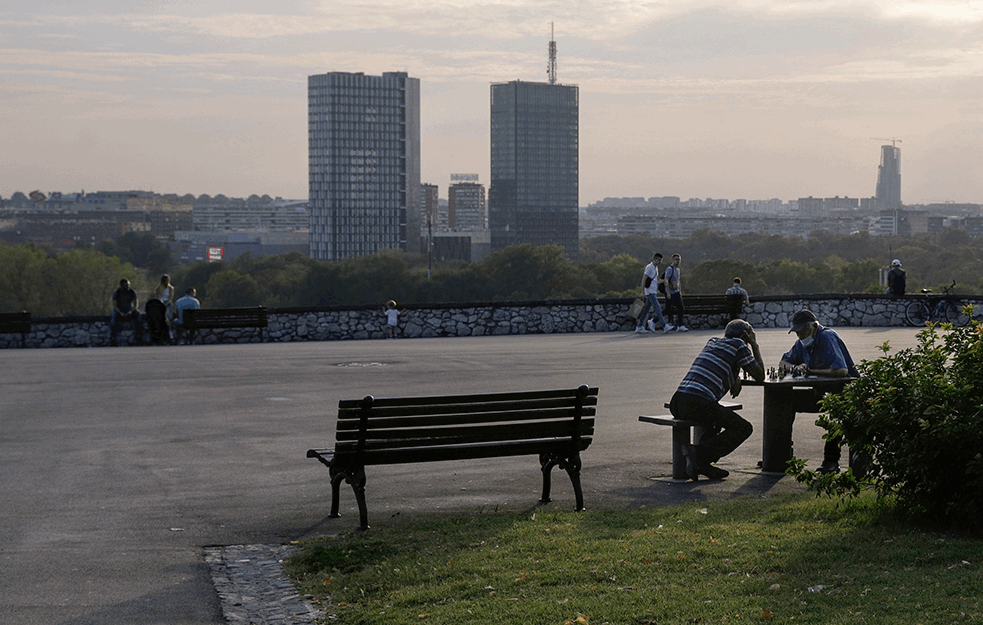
point(429, 420)
point(484, 398)
point(448, 408)
point(501, 432)
point(16, 323)
point(467, 452)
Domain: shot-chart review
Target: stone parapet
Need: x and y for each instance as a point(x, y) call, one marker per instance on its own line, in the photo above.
point(485, 319)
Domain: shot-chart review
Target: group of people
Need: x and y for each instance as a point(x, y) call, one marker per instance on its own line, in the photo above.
point(165, 311)
point(716, 371)
point(653, 283)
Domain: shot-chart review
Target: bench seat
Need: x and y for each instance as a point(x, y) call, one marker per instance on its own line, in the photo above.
point(683, 433)
point(16, 323)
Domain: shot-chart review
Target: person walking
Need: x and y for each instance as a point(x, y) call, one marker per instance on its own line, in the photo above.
point(392, 318)
point(650, 293)
point(711, 376)
point(674, 296)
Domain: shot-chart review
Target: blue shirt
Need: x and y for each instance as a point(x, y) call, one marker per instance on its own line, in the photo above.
point(826, 352)
point(714, 371)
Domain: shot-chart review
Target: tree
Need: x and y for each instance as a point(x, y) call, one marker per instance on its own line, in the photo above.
point(81, 282)
point(230, 289)
point(916, 414)
point(22, 273)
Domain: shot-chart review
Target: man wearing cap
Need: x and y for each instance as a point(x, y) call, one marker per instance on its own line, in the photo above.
point(713, 373)
point(819, 351)
point(896, 279)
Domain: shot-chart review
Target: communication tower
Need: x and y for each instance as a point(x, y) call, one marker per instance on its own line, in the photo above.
point(551, 68)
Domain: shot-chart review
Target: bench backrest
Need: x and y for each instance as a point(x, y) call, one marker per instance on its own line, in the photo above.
point(15, 322)
point(254, 316)
point(419, 429)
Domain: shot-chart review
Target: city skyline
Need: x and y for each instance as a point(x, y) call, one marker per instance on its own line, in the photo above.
point(745, 99)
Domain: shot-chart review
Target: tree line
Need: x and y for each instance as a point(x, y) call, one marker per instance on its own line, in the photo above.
point(81, 281)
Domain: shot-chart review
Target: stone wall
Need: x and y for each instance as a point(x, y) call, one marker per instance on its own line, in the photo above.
point(361, 322)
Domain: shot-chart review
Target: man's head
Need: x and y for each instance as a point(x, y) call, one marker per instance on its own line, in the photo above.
point(191, 291)
point(737, 328)
point(896, 263)
point(676, 258)
point(124, 283)
point(804, 323)
point(737, 281)
point(657, 258)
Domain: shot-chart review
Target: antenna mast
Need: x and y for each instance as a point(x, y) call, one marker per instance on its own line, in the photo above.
point(551, 68)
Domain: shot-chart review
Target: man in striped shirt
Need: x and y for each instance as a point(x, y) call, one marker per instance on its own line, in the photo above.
point(715, 372)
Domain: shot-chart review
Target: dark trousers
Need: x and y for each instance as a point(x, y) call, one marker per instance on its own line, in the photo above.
point(726, 429)
point(117, 319)
point(674, 304)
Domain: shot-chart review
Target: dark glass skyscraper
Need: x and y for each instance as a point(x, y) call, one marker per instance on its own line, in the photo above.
point(535, 188)
point(364, 163)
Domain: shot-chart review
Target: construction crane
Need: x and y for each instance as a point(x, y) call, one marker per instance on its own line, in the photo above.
point(892, 140)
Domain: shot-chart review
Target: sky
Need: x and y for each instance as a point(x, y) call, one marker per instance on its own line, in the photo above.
point(751, 99)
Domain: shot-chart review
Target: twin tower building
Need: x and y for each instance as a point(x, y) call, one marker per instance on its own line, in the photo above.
point(364, 152)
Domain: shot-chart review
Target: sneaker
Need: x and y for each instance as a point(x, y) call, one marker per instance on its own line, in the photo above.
point(689, 453)
point(669, 327)
point(651, 326)
point(641, 330)
point(682, 329)
point(712, 472)
point(828, 466)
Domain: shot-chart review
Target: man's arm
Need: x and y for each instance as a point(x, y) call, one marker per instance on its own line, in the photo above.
point(757, 370)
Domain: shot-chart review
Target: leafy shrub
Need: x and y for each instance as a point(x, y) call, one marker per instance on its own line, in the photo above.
point(918, 414)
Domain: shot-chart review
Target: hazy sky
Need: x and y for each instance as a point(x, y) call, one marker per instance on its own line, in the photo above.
point(696, 98)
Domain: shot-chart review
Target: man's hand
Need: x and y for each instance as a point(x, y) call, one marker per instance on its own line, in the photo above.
point(736, 389)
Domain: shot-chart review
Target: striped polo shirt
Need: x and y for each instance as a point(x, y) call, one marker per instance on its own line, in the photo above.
point(715, 370)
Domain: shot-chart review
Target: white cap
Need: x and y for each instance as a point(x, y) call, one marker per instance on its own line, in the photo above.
point(896, 263)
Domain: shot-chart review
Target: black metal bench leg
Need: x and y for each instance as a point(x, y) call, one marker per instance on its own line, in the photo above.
point(547, 463)
point(358, 485)
point(337, 477)
point(572, 465)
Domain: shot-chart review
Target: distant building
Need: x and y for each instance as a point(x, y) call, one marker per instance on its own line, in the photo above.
point(364, 163)
point(889, 179)
point(466, 206)
point(534, 192)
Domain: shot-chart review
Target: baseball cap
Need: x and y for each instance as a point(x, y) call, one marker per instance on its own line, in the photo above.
point(800, 319)
point(895, 263)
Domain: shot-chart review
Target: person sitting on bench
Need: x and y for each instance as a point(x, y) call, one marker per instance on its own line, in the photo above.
point(714, 372)
point(126, 307)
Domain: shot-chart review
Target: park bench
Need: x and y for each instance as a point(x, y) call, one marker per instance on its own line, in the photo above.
point(16, 323)
point(195, 319)
point(729, 305)
point(683, 433)
point(555, 425)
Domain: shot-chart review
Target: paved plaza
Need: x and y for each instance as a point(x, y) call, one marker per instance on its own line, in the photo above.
point(122, 466)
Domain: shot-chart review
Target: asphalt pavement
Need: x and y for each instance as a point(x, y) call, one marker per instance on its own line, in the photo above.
point(120, 466)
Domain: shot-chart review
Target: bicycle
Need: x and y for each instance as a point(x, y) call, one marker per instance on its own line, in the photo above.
point(936, 308)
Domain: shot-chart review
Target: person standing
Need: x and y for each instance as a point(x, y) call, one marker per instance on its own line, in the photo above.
point(674, 297)
point(650, 293)
point(392, 318)
point(896, 279)
point(819, 351)
point(126, 307)
point(711, 376)
point(740, 297)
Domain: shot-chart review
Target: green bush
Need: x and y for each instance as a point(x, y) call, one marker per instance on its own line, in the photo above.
point(918, 414)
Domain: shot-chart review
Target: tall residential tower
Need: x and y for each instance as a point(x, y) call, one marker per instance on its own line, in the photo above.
point(364, 154)
point(889, 178)
point(534, 191)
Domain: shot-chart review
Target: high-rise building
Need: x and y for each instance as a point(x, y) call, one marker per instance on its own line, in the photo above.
point(364, 153)
point(889, 178)
point(534, 192)
point(466, 205)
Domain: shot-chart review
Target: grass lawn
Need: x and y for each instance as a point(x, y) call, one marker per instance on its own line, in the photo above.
point(766, 560)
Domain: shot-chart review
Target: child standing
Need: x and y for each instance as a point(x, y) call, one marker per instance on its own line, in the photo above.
point(392, 315)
